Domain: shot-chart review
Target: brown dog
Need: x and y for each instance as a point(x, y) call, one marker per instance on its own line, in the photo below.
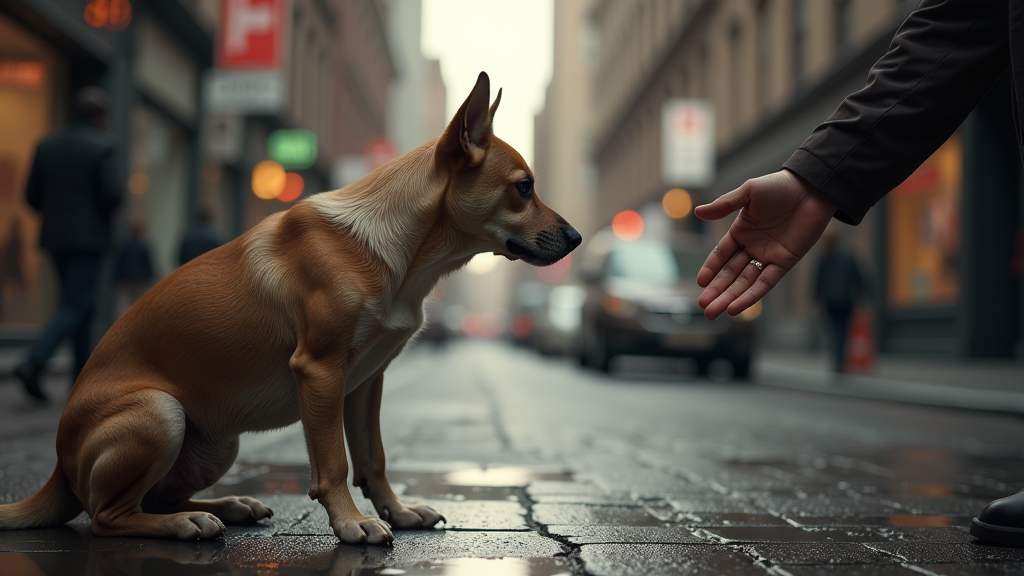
point(296, 319)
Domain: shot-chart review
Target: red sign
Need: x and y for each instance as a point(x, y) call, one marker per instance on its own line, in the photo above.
point(26, 75)
point(251, 34)
point(379, 151)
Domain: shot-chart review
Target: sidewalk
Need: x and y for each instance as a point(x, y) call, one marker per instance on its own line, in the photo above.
point(987, 385)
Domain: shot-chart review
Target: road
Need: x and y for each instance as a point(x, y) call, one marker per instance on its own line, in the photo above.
point(543, 468)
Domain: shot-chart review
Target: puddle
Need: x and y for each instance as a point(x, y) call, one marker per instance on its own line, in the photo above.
point(504, 476)
point(499, 483)
point(475, 567)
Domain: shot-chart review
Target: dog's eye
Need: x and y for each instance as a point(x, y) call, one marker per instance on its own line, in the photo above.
point(525, 186)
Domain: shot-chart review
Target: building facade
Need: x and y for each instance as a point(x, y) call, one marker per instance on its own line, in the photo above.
point(942, 252)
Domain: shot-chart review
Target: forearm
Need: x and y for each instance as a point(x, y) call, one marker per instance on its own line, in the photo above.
point(942, 61)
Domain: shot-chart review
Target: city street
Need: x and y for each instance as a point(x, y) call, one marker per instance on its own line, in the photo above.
point(542, 468)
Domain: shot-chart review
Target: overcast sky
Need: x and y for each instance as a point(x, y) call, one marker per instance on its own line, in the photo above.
point(511, 40)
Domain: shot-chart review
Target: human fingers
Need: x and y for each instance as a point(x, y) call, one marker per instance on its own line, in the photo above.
point(745, 276)
point(725, 204)
point(766, 280)
point(725, 277)
point(720, 255)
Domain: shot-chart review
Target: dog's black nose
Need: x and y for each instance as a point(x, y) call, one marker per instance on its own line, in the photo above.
point(572, 236)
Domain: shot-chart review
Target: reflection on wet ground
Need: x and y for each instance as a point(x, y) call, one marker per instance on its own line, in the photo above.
point(476, 567)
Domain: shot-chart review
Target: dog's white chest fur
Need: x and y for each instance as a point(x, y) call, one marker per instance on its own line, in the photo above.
point(383, 334)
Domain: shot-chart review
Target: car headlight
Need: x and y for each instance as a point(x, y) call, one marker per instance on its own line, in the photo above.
point(619, 306)
point(752, 312)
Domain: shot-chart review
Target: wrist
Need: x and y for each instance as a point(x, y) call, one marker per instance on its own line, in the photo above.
point(813, 193)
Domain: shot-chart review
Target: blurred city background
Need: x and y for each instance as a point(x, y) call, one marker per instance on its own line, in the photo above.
point(631, 112)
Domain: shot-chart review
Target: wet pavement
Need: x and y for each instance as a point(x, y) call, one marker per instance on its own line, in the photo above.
point(544, 469)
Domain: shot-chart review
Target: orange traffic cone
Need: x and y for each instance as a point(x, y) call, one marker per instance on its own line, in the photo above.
point(860, 347)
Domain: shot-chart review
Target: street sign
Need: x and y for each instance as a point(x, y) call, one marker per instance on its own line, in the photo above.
point(379, 151)
point(244, 91)
point(222, 138)
point(294, 149)
point(250, 34)
point(687, 143)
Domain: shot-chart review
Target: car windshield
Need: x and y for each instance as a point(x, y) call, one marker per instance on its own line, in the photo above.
point(653, 264)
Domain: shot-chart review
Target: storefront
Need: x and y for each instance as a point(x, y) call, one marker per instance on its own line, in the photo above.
point(150, 62)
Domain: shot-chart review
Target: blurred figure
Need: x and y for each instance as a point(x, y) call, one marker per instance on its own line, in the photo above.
point(11, 270)
point(838, 287)
point(74, 185)
point(199, 239)
point(133, 272)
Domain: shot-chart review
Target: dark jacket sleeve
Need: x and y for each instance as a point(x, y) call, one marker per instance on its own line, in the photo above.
point(108, 188)
point(943, 60)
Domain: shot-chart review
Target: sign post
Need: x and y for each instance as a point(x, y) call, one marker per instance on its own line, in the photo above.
point(687, 143)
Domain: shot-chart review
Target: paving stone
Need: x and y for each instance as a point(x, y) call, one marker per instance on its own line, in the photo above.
point(704, 520)
point(619, 499)
point(666, 560)
point(729, 534)
point(944, 506)
point(817, 553)
point(949, 552)
point(853, 570)
point(1008, 569)
point(821, 505)
point(715, 503)
point(626, 534)
point(550, 487)
point(583, 515)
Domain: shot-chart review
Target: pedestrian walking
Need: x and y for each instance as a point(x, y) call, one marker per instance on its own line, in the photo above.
point(199, 239)
point(133, 269)
point(944, 59)
point(74, 185)
point(838, 287)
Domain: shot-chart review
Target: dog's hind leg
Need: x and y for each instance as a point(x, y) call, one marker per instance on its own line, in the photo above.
point(201, 462)
point(124, 457)
point(362, 429)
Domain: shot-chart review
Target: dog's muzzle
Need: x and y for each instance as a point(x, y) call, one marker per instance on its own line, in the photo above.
point(549, 246)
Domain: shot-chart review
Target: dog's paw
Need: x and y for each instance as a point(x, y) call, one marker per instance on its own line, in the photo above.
point(242, 509)
point(197, 526)
point(412, 517)
point(364, 531)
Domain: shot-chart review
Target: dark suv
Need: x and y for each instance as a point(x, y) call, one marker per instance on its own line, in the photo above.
point(642, 300)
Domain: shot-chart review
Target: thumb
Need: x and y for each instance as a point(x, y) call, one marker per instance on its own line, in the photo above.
point(725, 204)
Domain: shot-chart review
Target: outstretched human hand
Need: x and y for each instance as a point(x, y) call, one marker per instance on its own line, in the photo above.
point(780, 218)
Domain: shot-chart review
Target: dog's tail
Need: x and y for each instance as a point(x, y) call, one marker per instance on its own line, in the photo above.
point(53, 504)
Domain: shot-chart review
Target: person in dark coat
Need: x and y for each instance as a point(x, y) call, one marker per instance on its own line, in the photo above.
point(199, 240)
point(838, 287)
point(74, 185)
point(133, 269)
point(944, 59)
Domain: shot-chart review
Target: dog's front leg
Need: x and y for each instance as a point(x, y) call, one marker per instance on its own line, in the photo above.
point(362, 428)
point(321, 390)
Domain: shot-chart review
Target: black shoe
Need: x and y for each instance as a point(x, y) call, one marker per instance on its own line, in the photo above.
point(1002, 521)
point(28, 373)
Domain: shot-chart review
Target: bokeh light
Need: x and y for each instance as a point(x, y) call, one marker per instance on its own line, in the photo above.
point(268, 179)
point(677, 203)
point(628, 225)
point(138, 183)
point(293, 186)
point(482, 263)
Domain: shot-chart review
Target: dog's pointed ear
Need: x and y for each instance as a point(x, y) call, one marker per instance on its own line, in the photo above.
point(494, 107)
point(469, 132)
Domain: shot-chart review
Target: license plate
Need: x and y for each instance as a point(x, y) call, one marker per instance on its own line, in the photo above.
point(690, 341)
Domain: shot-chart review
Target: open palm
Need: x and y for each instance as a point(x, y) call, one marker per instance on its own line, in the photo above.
point(780, 218)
